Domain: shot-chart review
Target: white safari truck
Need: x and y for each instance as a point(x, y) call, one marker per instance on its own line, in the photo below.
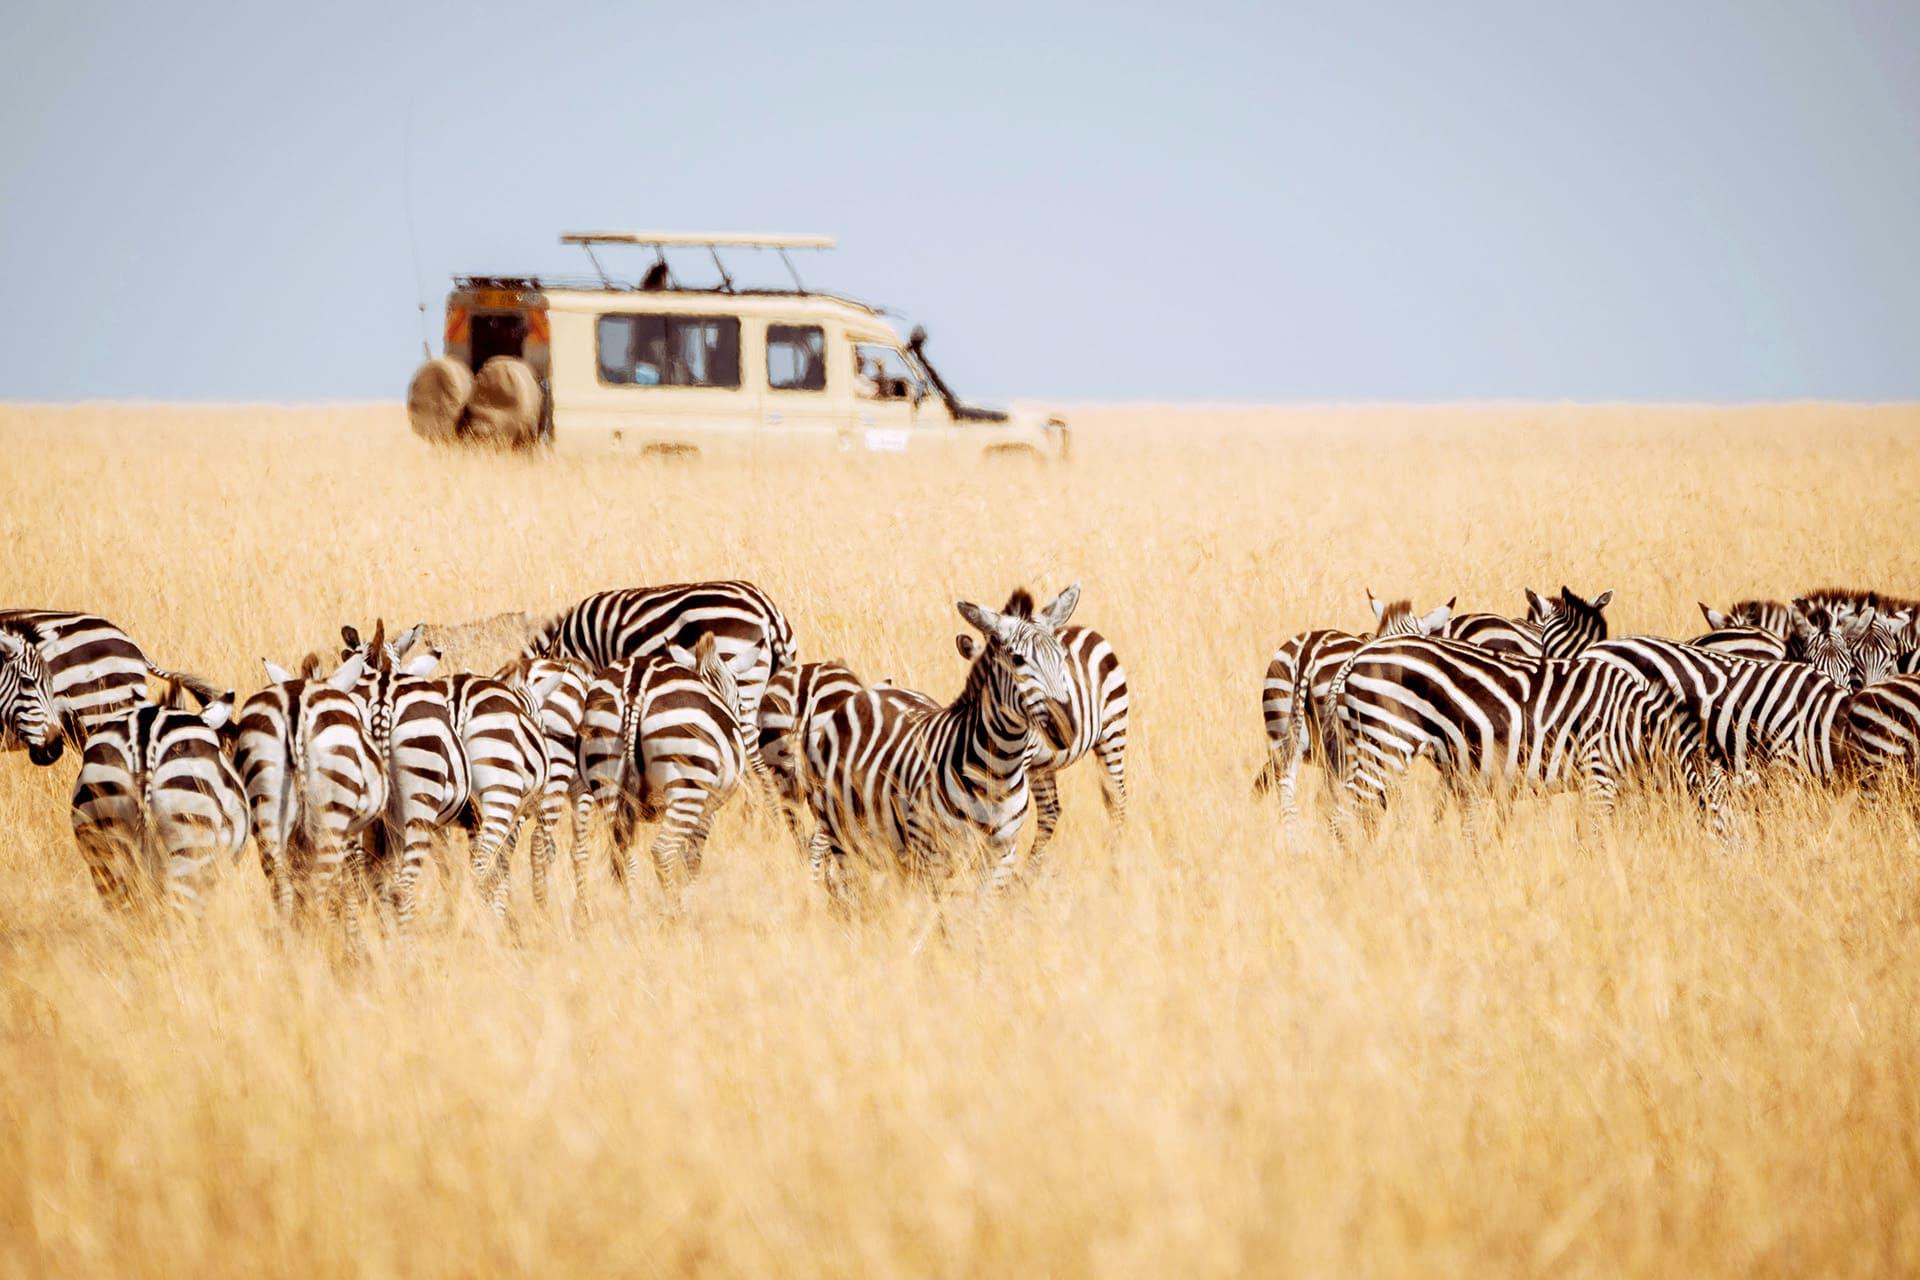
point(657, 365)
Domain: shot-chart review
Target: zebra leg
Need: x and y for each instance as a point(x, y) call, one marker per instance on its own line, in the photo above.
point(1046, 814)
point(415, 838)
point(676, 859)
point(818, 849)
point(1113, 759)
point(498, 807)
point(582, 825)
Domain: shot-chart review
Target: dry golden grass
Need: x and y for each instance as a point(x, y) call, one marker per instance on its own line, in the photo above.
point(1188, 1052)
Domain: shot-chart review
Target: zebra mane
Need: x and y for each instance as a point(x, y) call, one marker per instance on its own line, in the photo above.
point(1394, 611)
point(25, 630)
point(309, 666)
point(1019, 604)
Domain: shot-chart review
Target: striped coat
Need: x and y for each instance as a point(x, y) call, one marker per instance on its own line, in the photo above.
point(1500, 721)
point(752, 635)
point(1303, 668)
point(95, 668)
point(157, 801)
point(922, 787)
point(1095, 720)
point(659, 743)
point(315, 784)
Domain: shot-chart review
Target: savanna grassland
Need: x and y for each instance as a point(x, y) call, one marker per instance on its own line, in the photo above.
point(1193, 1050)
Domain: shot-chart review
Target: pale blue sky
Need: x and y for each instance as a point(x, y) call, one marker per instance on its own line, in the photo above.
point(1299, 202)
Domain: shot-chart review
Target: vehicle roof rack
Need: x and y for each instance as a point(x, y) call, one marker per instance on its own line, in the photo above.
point(701, 239)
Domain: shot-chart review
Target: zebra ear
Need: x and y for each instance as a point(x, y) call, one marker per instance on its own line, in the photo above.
point(1603, 599)
point(348, 673)
point(1055, 615)
point(408, 638)
point(275, 672)
point(1714, 617)
point(1536, 604)
point(1436, 619)
point(1379, 610)
point(965, 644)
point(421, 663)
point(544, 687)
point(350, 635)
point(981, 619)
point(217, 712)
point(680, 654)
point(11, 645)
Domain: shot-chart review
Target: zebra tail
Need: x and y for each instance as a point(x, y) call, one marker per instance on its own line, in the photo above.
point(177, 680)
point(1324, 727)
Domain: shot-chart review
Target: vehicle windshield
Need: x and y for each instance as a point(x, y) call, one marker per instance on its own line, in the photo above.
point(885, 373)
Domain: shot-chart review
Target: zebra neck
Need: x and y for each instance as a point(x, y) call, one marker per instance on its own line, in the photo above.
point(991, 739)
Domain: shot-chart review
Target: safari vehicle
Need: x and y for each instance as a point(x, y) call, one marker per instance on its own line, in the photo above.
point(660, 366)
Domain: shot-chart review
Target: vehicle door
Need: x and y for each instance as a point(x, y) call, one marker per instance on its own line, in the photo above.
point(800, 401)
point(892, 405)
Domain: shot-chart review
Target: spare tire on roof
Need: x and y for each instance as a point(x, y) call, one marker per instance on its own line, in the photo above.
point(504, 408)
point(437, 398)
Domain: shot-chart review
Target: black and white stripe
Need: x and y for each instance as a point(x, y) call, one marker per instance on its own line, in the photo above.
point(315, 783)
point(1883, 726)
point(915, 785)
point(29, 709)
point(561, 713)
point(1566, 623)
point(95, 668)
point(796, 697)
point(752, 635)
point(659, 743)
point(1096, 721)
point(465, 747)
point(1304, 667)
point(1756, 713)
point(157, 802)
point(1498, 721)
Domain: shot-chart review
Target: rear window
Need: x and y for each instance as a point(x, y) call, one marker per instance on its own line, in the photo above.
point(796, 357)
point(669, 351)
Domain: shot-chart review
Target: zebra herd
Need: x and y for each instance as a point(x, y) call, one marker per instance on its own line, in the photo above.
point(655, 705)
point(1825, 687)
point(651, 705)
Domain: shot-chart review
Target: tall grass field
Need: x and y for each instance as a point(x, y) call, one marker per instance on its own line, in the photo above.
point(1193, 1048)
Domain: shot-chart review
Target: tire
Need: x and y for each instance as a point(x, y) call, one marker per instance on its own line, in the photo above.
point(437, 399)
point(504, 409)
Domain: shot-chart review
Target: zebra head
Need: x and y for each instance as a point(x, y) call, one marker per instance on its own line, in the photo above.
point(1823, 641)
point(1398, 619)
point(26, 699)
point(1567, 624)
point(1877, 639)
point(1026, 665)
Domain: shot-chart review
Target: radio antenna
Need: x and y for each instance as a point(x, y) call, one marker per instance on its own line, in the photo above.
point(413, 235)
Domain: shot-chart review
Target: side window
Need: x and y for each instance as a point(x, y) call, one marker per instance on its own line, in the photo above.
point(882, 373)
point(796, 357)
point(669, 351)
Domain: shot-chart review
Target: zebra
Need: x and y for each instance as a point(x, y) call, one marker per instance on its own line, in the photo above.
point(1495, 632)
point(157, 801)
point(561, 714)
point(890, 774)
point(1502, 719)
point(315, 783)
point(467, 747)
point(1095, 720)
point(1755, 712)
point(752, 636)
point(1304, 667)
point(1743, 642)
point(1775, 616)
point(95, 668)
point(1567, 624)
point(659, 743)
point(29, 708)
